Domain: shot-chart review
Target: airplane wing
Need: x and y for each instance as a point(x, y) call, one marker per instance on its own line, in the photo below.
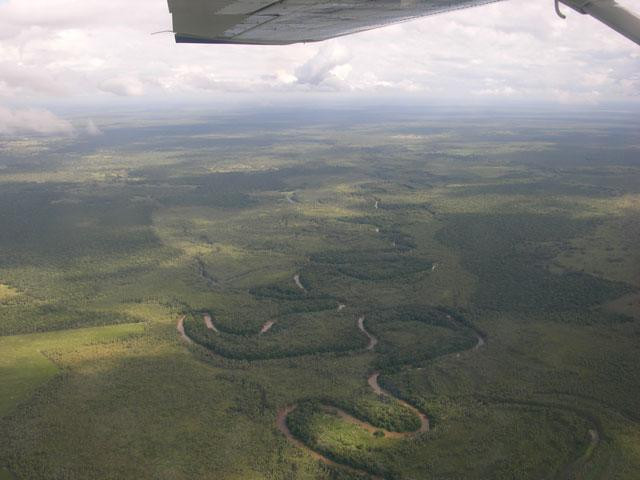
point(610, 13)
point(282, 22)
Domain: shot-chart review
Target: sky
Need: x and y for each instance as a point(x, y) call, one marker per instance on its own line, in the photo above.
point(57, 52)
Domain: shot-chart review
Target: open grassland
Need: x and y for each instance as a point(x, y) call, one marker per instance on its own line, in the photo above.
point(27, 361)
point(412, 297)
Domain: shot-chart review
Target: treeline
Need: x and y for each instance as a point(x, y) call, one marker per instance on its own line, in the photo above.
point(203, 196)
point(223, 182)
point(301, 422)
point(394, 357)
point(510, 255)
point(543, 188)
point(403, 242)
point(383, 412)
point(400, 240)
point(403, 207)
point(531, 288)
point(393, 360)
point(279, 291)
point(288, 298)
point(248, 321)
point(430, 315)
point(407, 395)
point(234, 182)
point(372, 264)
point(307, 306)
point(288, 343)
point(20, 319)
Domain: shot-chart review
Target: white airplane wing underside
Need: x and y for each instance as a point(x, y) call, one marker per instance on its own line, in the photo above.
point(293, 21)
point(269, 22)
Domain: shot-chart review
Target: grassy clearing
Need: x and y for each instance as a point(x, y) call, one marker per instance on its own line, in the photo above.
point(25, 359)
point(7, 293)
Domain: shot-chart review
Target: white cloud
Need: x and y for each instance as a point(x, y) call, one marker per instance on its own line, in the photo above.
point(29, 79)
point(64, 48)
point(32, 121)
point(326, 66)
point(123, 86)
point(92, 129)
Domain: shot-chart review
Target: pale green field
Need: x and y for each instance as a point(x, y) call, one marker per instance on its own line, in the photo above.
point(26, 360)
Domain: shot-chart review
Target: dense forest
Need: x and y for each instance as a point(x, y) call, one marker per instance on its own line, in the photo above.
point(402, 295)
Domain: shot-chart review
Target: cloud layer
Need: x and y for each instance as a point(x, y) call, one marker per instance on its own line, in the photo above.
point(32, 121)
point(516, 50)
